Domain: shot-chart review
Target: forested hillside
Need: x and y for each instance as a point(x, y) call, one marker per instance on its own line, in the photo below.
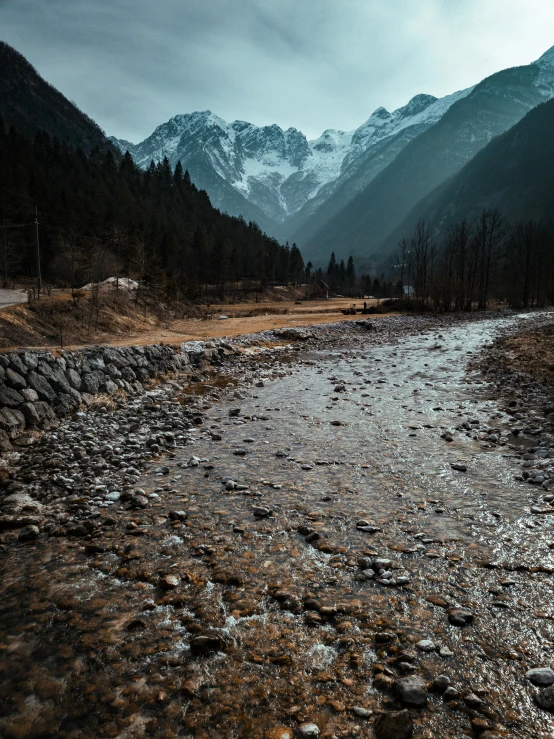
point(31, 104)
point(99, 217)
point(493, 107)
point(513, 173)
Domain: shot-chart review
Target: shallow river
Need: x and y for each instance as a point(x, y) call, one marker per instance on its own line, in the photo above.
point(98, 645)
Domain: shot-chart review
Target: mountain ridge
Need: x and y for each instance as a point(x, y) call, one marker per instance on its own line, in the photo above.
point(492, 107)
point(31, 104)
point(277, 170)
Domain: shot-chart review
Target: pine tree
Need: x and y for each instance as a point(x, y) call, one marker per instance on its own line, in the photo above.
point(350, 272)
point(178, 173)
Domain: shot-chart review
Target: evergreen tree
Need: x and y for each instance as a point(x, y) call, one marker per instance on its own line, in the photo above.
point(178, 174)
point(350, 272)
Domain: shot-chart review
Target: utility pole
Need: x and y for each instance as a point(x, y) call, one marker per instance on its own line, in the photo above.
point(39, 277)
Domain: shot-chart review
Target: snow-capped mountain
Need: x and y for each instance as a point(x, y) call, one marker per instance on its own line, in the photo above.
point(373, 219)
point(294, 187)
point(276, 170)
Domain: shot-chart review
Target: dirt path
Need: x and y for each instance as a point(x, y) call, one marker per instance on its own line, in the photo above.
point(197, 329)
point(123, 326)
point(11, 297)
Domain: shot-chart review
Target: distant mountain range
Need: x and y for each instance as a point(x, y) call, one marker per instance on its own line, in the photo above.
point(280, 173)
point(513, 173)
point(346, 192)
point(353, 192)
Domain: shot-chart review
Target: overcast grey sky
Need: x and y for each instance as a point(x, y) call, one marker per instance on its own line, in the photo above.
point(312, 64)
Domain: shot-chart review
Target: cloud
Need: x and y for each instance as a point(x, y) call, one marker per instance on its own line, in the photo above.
point(314, 64)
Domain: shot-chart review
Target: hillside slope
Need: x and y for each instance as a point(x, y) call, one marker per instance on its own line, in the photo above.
point(513, 173)
point(30, 104)
point(493, 106)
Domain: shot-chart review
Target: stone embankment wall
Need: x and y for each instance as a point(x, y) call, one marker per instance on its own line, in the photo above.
point(38, 387)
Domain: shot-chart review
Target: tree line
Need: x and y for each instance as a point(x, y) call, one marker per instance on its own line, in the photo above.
point(489, 260)
point(77, 218)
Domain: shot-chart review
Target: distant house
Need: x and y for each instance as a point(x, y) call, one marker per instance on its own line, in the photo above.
point(409, 291)
point(319, 291)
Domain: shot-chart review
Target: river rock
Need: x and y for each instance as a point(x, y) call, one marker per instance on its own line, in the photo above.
point(29, 533)
point(308, 730)
point(545, 698)
point(460, 616)
point(206, 643)
point(10, 398)
point(540, 676)
point(412, 690)
point(426, 645)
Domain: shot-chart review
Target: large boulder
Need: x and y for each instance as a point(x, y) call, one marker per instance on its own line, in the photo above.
point(5, 444)
point(64, 405)
point(45, 413)
point(30, 359)
point(42, 387)
point(93, 362)
point(58, 380)
point(17, 365)
point(30, 395)
point(12, 422)
point(29, 411)
point(15, 380)
point(10, 398)
point(128, 374)
point(74, 379)
point(93, 382)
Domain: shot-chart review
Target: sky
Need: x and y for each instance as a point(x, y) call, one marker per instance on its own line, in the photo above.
point(311, 64)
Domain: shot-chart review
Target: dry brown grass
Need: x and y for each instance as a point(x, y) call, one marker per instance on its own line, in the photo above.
point(533, 353)
point(120, 322)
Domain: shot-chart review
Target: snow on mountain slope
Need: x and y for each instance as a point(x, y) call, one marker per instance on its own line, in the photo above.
point(277, 170)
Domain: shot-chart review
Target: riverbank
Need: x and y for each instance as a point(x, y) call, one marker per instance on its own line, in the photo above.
point(319, 532)
point(116, 319)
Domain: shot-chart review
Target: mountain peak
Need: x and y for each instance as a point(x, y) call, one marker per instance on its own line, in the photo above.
point(547, 59)
point(416, 105)
point(381, 113)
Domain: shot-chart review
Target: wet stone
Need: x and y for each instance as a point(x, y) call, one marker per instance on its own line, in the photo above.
point(169, 582)
point(540, 676)
point(412, 690)
point(426, 645)
point(206, 643)
point(308, 730)
point(441, 683)
point(29, 533)
point(545, 698)
point(460, 616)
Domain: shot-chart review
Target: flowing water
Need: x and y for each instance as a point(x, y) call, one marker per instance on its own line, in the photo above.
point(96, 644)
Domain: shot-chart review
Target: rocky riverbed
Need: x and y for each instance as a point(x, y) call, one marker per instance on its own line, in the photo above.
point(339, 531)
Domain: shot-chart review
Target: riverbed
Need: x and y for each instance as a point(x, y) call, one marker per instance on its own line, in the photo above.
point(318, 539)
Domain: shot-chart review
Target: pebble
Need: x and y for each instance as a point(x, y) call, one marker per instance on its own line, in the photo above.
point(441, 683)
point(308, 730)
point(362, 712)
point(460, 616)
point(426, 645)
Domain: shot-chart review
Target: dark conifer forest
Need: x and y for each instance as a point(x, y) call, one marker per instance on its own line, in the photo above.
point(99, 215)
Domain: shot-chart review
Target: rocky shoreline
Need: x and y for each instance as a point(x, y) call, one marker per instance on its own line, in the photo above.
point(165, 576)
